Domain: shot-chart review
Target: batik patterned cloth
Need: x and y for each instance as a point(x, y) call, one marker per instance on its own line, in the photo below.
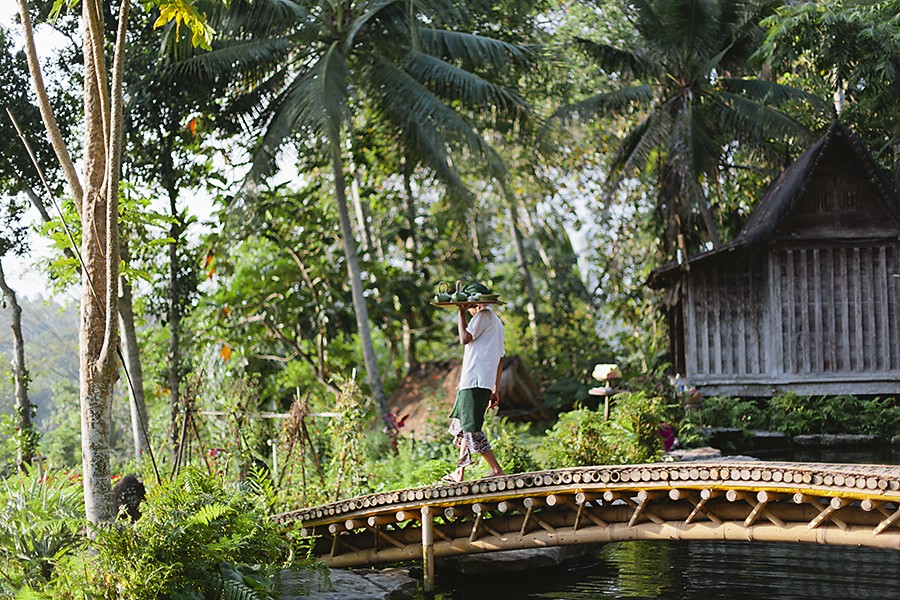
point(470, 442)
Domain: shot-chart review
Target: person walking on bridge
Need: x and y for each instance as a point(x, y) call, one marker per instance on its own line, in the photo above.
point(479, 382)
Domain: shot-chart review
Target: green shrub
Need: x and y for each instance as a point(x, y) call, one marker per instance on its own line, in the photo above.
point(416, 463)
point(579, 438)
point(582, 437)
point(510, 442)
point(41, 516)
point(795, 414)
point(198, 538)
point(724, 411)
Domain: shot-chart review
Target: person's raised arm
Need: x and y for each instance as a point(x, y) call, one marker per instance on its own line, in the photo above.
point(464, 336)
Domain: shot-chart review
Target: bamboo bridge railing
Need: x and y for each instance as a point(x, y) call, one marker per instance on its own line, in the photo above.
point(842, 504)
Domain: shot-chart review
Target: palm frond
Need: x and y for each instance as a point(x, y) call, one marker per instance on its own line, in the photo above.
point(270, 18)
point(420, 114)
point(360, 21)
point(255, 56)
point(461, 84)
point(609, 102)
point(758, 121)
point(771, 93)
point(694, 26)
point(648, 136)
point(475, 49)
point(431, 150)
point(615, 60)
point(315, 101)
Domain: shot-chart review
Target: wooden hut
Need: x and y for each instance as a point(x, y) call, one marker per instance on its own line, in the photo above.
point(807, 296)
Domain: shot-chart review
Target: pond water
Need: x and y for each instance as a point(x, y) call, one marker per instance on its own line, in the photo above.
point(706, 570)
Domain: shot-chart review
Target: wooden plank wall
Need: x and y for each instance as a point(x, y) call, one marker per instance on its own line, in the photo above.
point(838, 307)
point(810, 311)
point(724, 325)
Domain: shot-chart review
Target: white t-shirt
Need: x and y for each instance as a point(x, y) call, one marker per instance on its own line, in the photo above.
point(481, 356)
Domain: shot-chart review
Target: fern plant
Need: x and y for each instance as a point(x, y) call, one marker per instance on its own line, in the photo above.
point(199, 537)
point(41, 518)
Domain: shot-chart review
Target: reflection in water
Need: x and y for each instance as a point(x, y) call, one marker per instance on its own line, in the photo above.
point(700, 571)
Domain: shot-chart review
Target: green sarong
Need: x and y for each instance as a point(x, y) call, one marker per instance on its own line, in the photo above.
point(469, 408)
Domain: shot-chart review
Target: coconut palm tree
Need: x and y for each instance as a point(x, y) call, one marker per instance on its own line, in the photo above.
point(684, 78)
point(311, 68)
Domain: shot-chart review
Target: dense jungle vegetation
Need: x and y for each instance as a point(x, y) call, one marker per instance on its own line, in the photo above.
point(285, 184)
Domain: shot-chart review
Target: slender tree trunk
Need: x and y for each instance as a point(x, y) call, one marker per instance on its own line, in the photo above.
point(174, 323)
point(47, 116)
point(708, 218)
point(410, 357)
point(359, 300)
point(524, 270)
point(132, 359)
point(362, 217)
point(25, 442)
point(536, 240)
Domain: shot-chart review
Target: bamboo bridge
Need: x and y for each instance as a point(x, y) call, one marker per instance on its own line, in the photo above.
point(753, 501)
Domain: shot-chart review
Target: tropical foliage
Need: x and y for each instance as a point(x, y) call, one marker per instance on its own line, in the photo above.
point(796, 414)
point(698, 107)
point(353, 154)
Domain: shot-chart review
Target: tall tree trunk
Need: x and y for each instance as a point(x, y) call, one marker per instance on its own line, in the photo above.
point(173, 312)
point(524, 270)
point(132, 359)
point(410, 357)
point(97, 204)
point(359, 300)
point(534, 235)
point(362, 217)
point(174, 323)
point(26, 439)
point(99, 330)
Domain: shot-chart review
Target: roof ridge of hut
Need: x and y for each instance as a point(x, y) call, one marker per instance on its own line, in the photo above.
point(768, 214)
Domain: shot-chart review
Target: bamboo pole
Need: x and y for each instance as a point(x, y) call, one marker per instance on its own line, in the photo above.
point(762, 532)
point(428, 548)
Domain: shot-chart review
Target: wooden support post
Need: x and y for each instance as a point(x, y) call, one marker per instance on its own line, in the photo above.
point(700, 506)
point(639, 508)
point(582, 499)
point(887, 522)
point(832, 506)
point(428, 548)
point(751, 518)
point(530, 505)
point(381, 535)
point(644, 499)
point(481, 510)
point(474, 535)
point(529, 511)
point(334, 546)
point(828, 512)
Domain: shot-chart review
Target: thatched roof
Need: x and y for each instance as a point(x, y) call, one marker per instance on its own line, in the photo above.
point(766, 219)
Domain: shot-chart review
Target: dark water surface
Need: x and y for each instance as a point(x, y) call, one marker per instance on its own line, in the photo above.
point(706, 570)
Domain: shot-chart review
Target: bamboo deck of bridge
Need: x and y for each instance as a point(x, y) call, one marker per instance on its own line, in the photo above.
point(841, 504)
